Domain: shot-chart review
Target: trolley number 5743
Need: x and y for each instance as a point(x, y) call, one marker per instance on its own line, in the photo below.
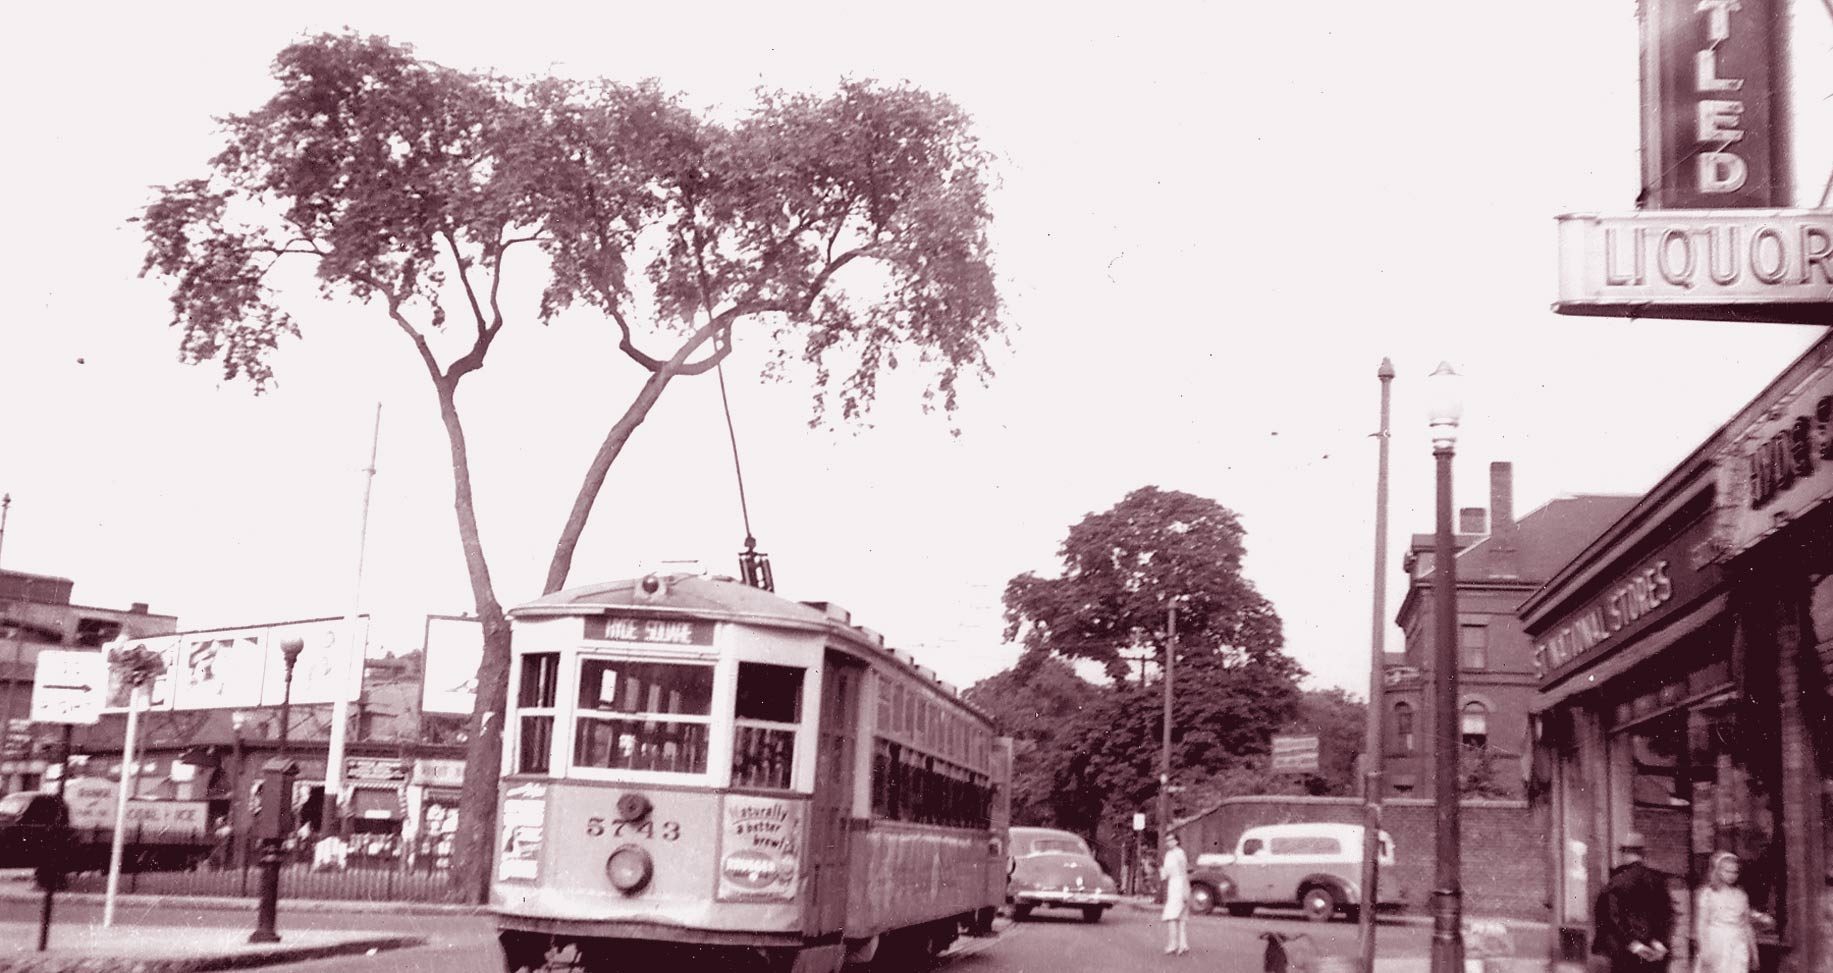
point(666, 830)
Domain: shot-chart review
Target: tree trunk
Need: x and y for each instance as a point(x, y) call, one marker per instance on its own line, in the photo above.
point(474, 845)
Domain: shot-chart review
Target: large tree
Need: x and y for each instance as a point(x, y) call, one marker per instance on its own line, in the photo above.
point(1233, 685)
point(1034, 703)
point(418, 191)
point(1122, 571)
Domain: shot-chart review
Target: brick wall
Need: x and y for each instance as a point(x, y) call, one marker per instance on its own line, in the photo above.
point(1504, 867)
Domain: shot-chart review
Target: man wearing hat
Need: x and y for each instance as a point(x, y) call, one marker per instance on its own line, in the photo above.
point(1634, 914)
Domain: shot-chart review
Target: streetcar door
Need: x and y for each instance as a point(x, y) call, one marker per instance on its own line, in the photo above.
point(832, 807)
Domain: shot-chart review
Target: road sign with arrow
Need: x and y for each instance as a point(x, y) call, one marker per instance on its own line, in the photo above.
point(69, 686)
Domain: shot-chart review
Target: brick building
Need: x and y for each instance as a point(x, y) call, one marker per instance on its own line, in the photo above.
point(1500, 562)
point(36, 614)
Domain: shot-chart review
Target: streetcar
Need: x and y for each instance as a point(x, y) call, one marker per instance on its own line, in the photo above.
point(700, 772)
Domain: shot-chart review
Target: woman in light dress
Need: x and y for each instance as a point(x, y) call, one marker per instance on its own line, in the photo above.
point(1175, 873)
point(1721, 917)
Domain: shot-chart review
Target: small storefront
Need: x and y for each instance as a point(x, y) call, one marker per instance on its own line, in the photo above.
point(1682, 663)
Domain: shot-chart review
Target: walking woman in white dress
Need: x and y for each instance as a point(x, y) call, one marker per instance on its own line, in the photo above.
point(1175, 873)
point(1721, 918)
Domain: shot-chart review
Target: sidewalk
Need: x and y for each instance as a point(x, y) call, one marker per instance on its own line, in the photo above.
point(16, 886)
point(86, 948)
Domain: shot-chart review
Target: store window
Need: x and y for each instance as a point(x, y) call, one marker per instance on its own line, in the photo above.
point(1473, 646)
point(1403, 727)
point(1473, 725)
point(1696, 761)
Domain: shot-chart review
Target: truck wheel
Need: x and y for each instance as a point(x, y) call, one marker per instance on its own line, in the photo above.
point(1021, 912)
point(1319, 904)
point(1202, 898)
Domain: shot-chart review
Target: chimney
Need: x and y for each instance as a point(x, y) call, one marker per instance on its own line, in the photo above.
point(1502, 496)
point(137, 608)
point(1470, 520)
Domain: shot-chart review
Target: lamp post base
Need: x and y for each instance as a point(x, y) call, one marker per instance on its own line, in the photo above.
point(1447, 931)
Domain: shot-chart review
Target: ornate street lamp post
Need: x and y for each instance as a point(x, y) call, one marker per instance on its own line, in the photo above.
point(1445, 407)
point(276, 799)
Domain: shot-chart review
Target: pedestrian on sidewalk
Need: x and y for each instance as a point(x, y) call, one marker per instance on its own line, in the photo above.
point(1175, 873)
point(1634, 916)
point(1721, 917)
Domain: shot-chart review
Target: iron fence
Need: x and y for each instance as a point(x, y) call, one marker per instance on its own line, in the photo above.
point(155, 868)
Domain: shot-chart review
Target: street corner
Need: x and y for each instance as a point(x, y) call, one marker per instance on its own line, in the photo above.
point(183, 950)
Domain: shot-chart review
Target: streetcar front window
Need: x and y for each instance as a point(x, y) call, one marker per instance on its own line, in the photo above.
point(651, 716)
point(767, 712)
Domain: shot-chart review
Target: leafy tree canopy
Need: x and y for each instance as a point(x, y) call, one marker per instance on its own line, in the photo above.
point(1123, 568)
point(845, 231)
point(1035, 703)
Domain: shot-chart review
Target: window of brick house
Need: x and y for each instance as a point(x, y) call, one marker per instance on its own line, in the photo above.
point(1403, 727)
point(1473, 646)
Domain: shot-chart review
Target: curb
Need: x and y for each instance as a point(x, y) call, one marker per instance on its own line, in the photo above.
point(48, 963)
point(1386, 918)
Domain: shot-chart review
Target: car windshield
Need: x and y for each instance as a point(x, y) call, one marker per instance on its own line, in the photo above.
point(1066, 846)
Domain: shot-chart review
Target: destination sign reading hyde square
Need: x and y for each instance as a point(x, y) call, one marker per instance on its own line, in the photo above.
point(654, 631)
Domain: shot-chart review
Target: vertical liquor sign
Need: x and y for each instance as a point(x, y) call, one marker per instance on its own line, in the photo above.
point(1713, 126)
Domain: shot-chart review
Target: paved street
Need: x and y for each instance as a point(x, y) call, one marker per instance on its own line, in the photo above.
point(1128, 938)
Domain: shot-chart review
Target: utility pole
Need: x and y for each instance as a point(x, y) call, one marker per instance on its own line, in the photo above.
point(1164, 763)
point(1371, 741)
point(6, 503)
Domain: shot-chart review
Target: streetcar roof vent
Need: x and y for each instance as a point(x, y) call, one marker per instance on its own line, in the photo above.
point(832, 611)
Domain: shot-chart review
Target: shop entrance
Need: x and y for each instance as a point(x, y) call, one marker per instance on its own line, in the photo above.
point(1697, 781)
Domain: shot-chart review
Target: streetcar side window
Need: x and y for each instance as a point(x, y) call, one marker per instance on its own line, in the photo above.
point(767, 712)
point(652, 716)
point(536, 698)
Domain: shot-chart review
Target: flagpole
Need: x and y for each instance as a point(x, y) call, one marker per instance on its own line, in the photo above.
point(355, 650)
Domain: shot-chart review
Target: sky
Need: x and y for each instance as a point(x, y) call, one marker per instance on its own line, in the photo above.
point(1212, 222)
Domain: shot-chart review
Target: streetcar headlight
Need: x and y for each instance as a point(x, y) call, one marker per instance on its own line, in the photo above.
point(629, 869)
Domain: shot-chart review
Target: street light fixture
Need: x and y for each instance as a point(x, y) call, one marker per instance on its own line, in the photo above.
point(1445, 406)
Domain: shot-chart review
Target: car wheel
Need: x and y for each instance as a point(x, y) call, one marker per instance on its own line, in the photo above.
point(1092, 913)
point(1202, 898)
point(1021, 912)
point(1240, 911)
point(1319, 904)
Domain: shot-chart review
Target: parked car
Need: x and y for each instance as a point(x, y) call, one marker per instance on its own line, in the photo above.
point(1055, 868)
point(1316, 867)
point(34, 830)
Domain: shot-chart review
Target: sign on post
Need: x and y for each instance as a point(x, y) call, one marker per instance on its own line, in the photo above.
point(69, 686)
point(1297, 755)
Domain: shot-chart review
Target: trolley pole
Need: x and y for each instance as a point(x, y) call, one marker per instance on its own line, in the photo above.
point(1371, 743)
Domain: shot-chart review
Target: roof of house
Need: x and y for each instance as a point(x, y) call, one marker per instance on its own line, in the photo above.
point(1542, 541)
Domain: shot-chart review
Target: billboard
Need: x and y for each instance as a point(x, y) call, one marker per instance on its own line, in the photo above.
point(454, 649)
point(244, 667)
